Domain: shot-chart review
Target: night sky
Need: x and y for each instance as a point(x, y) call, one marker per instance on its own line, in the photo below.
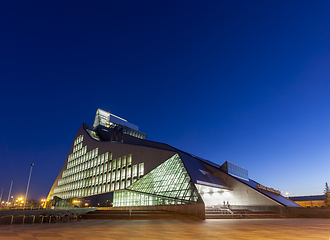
point(243, 81)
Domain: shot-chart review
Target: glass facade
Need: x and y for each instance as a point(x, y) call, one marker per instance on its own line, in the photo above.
point(109, 120)
point(169, 183)
point(235, 170)
point(90, 172)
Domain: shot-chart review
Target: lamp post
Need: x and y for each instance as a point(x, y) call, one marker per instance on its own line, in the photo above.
point(27, 188)
point(11, 184)
point(1, 196)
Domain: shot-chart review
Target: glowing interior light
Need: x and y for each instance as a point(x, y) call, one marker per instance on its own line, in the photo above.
point(118, 117)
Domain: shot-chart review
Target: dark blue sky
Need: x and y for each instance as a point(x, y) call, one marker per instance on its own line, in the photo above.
point(243, 81)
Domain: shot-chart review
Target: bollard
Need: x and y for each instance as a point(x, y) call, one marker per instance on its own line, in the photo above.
point(23, 219)
point(42, 218)
point(34, 218)
point(50, 218)
point(12, 219)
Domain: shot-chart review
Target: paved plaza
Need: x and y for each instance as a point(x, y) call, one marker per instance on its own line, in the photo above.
point(172, 229)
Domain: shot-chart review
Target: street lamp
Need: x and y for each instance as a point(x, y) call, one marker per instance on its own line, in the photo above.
point(43, 202)
point(11, 184)
point(1, 196)
point(27, 188)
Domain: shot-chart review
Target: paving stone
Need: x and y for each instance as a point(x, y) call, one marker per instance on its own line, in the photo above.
point(292, 229)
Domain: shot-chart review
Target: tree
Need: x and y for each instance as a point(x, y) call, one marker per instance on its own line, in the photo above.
point(327, 195)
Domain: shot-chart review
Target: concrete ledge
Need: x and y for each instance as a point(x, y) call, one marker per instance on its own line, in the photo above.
point(197, 210)
point(293, 211)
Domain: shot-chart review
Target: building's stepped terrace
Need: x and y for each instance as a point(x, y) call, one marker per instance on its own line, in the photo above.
point(225, 213)
point(135, 214)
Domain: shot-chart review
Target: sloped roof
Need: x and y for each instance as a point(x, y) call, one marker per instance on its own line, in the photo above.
point(278, 198)
point(198, 172)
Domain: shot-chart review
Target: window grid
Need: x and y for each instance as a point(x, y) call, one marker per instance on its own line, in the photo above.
point(89, 173)
point(157, 188)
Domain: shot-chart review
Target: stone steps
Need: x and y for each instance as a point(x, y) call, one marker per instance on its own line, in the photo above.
point(250, 216)
point(137, 214)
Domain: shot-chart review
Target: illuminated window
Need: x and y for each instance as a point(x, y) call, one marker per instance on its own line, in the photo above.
point(129, 172)
point(100, 179)
point(118, 175)
point(96, 180)
point(124, 161)
point(128, 182)
point(96, 151)
point(109, 167)
point(129, 160)
point(141, 169)
point(118, 163)
point(114, 165)
point(134, 171)
point(109, 177)
point(104, 178)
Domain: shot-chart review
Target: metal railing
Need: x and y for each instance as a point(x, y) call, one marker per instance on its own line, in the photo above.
point(43, 218)
point(219, 209)
point(21, 208)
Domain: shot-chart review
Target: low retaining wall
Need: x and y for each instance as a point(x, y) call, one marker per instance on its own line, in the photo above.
point(303, 212)
point(307, 212)
point(197, 210)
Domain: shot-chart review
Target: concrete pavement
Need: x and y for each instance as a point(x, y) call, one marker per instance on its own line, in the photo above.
point(172, 229)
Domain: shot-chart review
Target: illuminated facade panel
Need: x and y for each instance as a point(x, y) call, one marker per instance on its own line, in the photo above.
point(157, 188)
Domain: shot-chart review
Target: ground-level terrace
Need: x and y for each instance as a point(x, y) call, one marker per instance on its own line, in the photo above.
point(172, 229)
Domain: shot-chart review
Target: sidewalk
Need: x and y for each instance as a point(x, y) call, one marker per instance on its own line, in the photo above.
point(172, 229)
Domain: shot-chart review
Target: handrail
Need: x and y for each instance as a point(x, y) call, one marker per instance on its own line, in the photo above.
point(21, 208)
point(221, 209)
point(22, 215)
point(41, 218)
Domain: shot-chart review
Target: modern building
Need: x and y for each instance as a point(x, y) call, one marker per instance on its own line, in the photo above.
point(309, 201)
point(112, 164)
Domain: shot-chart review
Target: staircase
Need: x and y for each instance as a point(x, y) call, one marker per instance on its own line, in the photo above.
point(218, 212)
point(135, 214)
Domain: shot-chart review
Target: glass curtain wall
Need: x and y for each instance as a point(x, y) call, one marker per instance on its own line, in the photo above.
point(169, 183)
